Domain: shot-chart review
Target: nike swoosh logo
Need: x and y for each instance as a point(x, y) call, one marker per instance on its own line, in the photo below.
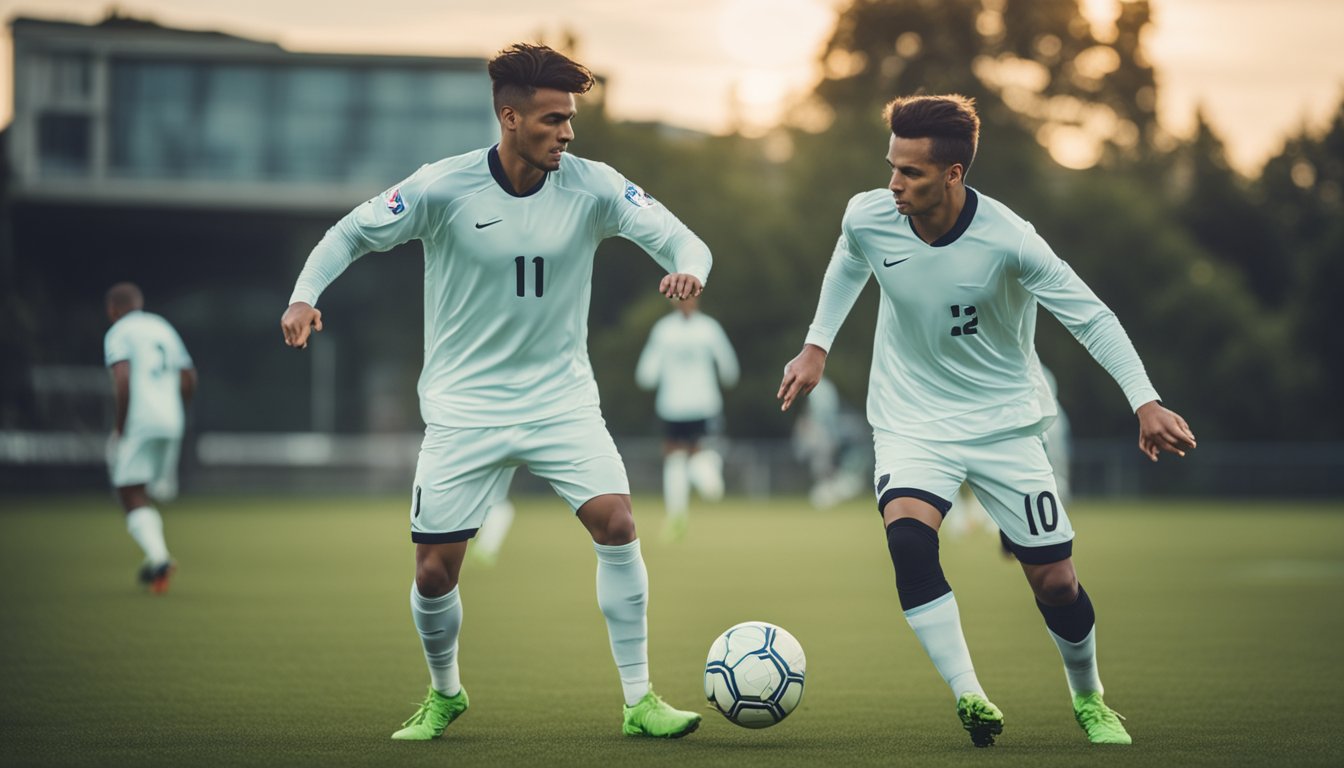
point(885, 263)
point(488, 223)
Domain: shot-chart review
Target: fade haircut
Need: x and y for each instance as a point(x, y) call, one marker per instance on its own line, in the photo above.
point(519, 70)
point(949, 120)
point(125, 296)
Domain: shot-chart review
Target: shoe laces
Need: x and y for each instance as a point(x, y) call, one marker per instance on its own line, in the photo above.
point(1099, 714)
point(421, 713)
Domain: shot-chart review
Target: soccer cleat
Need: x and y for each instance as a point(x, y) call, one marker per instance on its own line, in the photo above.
point(980, 718)
point(433, 716)
point(654, 717)
point(674, 529)
point(155, 577)
point(1101, 723)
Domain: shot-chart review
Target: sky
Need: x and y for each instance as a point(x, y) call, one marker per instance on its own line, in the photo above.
point(1259, 70)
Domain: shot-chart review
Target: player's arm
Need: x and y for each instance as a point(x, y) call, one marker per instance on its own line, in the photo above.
point(187, 384)
point(648, 224)
point(121, 392)
point(385, 221)
point(649, 369)
point(845, 277)
point(725, 358)
point(1095, 326)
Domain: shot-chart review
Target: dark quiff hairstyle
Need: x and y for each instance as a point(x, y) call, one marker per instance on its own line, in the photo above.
point(519, 70)
point(949, 120)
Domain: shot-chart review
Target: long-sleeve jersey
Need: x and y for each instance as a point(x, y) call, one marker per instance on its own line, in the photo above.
point(686, 359)
point(508, 278)
point(953, 354)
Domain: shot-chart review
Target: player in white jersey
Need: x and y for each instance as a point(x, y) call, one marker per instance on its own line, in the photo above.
point(509, 234)
point(686, 359)
point(956, 391)
point(153, 379)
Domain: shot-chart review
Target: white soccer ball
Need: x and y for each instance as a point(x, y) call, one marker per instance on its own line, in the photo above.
point(754, 674)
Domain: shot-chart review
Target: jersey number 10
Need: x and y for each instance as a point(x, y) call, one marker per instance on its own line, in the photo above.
point(521, 263)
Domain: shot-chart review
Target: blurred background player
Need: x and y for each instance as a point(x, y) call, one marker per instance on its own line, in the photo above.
point(686, 359)
point(490, 538)
point(835, 443)
point(153, 380)
point(509, 233)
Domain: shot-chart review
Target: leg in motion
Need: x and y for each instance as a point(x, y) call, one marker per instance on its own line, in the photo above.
point(437, 610)
point(145, 525)
point(931, 611)
point(1071, 622)
point(622, 595)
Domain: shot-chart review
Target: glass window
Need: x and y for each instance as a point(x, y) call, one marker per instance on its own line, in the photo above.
point(63, 144)
point(152, 134)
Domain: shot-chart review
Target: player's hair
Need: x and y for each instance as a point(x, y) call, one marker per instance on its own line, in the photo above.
point(519, 70)
point(949, 120)
point(125, 296)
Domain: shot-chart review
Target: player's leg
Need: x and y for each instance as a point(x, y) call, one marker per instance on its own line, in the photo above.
point(493, 532)
point(914, 484)
point(676, 488)
point(137, 462)
point(575, 453)
point(460, 474)
point(1015, 479)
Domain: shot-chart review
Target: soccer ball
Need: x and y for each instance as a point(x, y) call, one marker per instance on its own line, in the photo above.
point(754, 674)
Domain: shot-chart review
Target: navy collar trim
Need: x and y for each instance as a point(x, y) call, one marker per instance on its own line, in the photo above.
point(963, 221)
point(502, 179)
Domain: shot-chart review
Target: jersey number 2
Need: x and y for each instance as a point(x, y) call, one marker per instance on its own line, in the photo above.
point(521, 263)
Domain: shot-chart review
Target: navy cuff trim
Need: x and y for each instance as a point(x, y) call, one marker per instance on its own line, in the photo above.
point(452, 537)
point(1050, 553)
point(941, 504)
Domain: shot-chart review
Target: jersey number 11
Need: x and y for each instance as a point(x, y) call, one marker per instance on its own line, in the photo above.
point(521, 263)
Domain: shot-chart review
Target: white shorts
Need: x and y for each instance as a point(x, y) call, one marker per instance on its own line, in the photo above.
point(1010, 476)
point(149, 461)
point(462, 472)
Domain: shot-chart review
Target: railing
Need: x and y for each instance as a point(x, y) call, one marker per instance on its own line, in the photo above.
point(34, 462)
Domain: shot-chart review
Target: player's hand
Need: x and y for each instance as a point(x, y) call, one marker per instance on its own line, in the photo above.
point(1161, 429)
point(801, 375)
point(298, 321)
point(680, 285)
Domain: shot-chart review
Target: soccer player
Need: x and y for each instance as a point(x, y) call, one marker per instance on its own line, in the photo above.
point(956, 390)
point(686, 358)
point(509, 234)
point(152, 379)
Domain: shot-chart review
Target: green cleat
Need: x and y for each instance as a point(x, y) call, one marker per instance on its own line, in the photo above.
point(654, 717)
point(434, 715)
point(980, 718)
point(1100, 721)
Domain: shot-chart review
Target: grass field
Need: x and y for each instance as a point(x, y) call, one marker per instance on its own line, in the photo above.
point(287, 640)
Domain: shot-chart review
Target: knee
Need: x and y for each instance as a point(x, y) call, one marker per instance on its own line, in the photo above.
point(618, 529)
point(1057, 589)
point(433, 579)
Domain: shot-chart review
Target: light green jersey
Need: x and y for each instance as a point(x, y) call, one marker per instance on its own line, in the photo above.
point(953, 354)
point(508, 278)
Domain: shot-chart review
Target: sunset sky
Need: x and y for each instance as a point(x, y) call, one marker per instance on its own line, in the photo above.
point(1260, 70)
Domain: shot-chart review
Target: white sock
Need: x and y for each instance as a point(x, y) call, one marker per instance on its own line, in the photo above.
point(938, 627)
point(146, 527)
point(491, 536)
point(438, 620)
point(676, 484)
point(706, 472)
point(1080, 662)
point(623, 596)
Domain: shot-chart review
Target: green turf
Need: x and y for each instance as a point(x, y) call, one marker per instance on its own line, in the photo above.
point(286, 639)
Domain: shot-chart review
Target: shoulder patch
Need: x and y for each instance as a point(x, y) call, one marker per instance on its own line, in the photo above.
point(393, 201)
point(637, 197)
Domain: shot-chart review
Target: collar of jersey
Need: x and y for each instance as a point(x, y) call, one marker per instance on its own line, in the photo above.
point(502, 179)
point(963, 221)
